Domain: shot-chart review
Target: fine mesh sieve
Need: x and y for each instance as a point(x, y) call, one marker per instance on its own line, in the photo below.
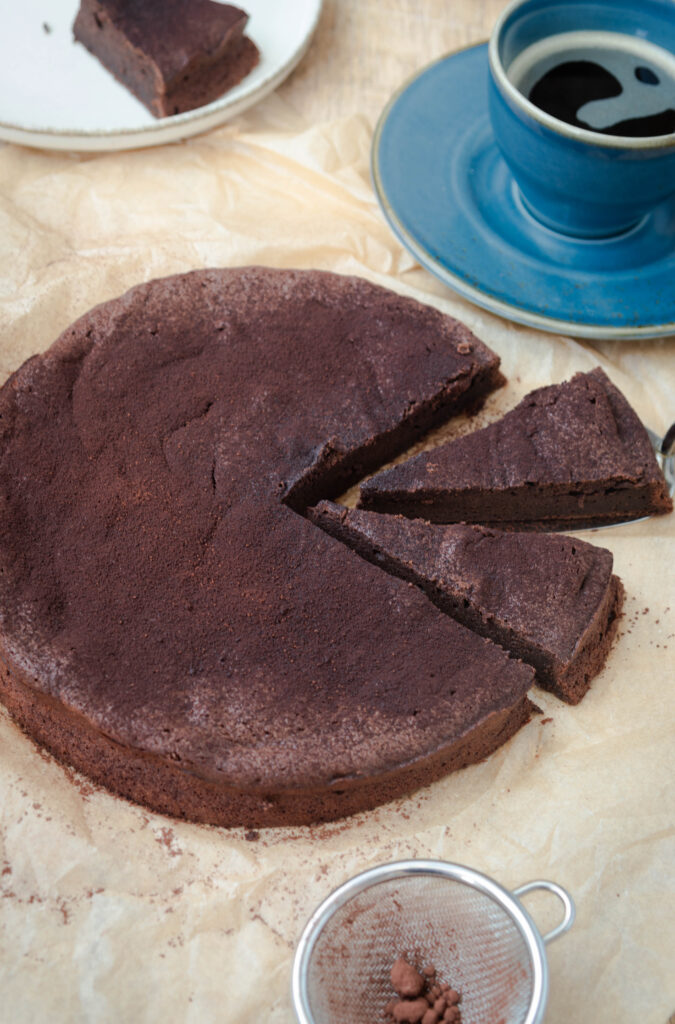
point(475, 933)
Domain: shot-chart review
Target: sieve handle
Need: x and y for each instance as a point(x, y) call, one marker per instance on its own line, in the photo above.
point(563, 896)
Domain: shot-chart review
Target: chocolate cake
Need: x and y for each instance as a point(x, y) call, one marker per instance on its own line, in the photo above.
point(570, 455)
point(170, 624)
point(173, 55)
point(548, 599)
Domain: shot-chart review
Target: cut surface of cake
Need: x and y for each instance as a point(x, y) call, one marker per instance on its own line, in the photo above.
point(173, 55)
point(169, 623)
point(569, 455)
point(549, 599)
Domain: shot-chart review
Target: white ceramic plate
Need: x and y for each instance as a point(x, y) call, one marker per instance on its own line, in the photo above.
point(54, 94)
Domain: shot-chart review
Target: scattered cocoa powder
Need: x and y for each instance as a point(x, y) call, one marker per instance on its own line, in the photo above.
point(422, 998)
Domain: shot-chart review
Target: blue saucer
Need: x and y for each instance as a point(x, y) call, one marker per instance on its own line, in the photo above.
point(450, 198)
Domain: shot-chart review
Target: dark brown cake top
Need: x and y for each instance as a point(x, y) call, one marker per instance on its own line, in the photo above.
point(580, 432)
point(545, 587)
point(151, 575)
point(173, 32)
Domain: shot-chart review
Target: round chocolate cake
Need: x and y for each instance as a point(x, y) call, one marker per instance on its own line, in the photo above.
point(170, 621)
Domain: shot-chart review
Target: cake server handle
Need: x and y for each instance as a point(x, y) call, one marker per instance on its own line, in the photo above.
point(563, 896)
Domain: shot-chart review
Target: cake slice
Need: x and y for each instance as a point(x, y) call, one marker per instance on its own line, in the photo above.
point(570, 455)
point(550, 600)
point(173, 55)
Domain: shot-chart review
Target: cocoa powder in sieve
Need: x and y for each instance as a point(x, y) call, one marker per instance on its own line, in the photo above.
point(422, 998)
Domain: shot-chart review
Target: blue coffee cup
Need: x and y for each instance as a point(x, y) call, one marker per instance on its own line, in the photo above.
point(580, 178)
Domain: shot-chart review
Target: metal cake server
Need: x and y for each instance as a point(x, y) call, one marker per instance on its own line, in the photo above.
point(664, 450)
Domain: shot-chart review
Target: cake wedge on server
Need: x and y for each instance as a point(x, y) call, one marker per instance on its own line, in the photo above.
point(567, 456)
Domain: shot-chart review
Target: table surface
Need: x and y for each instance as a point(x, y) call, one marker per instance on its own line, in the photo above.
point(365, 49)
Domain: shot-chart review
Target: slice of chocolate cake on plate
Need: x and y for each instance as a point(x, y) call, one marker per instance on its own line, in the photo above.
point(548, 599)
point(567, 456)
point(173, 55)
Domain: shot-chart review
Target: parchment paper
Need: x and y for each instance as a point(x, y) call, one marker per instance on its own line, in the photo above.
point(110, 913)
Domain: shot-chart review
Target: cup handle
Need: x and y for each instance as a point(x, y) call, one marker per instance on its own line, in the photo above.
point(563, 896)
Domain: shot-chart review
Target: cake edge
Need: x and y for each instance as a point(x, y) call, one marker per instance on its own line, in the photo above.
point(164, 786)
point(594, 647)
point(334, 471)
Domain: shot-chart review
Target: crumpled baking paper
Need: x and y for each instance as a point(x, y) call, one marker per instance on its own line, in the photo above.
point(111, 913)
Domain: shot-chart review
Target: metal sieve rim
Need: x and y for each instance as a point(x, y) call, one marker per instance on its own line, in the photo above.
point(445, 869)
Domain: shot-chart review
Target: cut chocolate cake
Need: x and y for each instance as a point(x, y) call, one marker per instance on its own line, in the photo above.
point(173, 55)
point(548, 599)
point(570, 455)
point(169, 623)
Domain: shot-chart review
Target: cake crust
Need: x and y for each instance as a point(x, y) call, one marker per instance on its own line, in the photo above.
point(169, 622)
point(569, 455)
point(163, 786)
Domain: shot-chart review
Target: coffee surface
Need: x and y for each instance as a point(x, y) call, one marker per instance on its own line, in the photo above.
point(611, 83)
point(568, 87)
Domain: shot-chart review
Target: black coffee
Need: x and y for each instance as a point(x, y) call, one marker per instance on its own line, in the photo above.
point(603, 82)
point(568, 87)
